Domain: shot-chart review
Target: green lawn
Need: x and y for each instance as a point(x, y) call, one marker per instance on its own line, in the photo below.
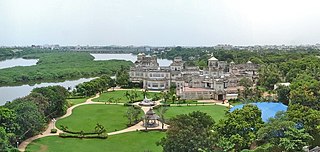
point(76, 101)
point(87, 116)
point(215, 111)
point(126, 142)
point(119, 96)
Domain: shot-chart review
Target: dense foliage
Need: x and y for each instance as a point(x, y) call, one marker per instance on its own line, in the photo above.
point(59, 66)
point(94, 86)
point(244, 129)
point(280, 134)
point(239, 130)
point(189, 132)
point(27, 116)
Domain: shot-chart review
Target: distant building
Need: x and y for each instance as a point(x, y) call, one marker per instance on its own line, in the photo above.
point(214, 82)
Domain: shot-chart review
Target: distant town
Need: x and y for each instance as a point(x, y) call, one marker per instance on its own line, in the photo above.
point(155, 49)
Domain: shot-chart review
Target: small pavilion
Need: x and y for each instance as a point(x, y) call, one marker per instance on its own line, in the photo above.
point(151, 119)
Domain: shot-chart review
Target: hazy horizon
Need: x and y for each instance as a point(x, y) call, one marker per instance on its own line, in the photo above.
point(159, 22)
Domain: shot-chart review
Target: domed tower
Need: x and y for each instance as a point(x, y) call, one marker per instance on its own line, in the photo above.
point(231, 66)
point(213, 66)
point(139, 56)
point(213, 62)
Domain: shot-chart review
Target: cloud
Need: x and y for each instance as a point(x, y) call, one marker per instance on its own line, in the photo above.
point(159, 22)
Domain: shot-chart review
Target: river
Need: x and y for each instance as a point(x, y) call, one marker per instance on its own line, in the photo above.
point(128, 57)
point(12, 92)
point(17, 62)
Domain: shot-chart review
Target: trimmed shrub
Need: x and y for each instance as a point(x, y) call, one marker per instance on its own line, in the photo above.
point(68, 135)
point(53, 131)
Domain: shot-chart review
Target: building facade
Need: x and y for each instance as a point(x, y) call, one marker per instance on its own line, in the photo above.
point(214, 82)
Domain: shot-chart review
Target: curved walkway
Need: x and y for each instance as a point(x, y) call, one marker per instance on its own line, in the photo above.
point(51, 125)
point(137, 127)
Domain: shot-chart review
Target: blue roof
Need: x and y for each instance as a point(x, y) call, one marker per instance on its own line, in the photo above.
point(268, 109)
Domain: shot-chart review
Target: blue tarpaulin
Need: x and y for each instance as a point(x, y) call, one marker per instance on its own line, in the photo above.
point(268, 109)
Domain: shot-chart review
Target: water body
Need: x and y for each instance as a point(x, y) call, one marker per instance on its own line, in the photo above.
point(127, 57)
point(17, 62)
point(13, 92)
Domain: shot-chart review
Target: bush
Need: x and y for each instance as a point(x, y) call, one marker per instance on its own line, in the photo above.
point(127, 104)
point(53, 131)
point(68, 135)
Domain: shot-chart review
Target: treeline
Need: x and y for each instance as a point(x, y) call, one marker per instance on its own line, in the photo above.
point(59, 66)
point(289, 71)
point(28, 116)
point(7, 53)
point(238, 56)
point(94, 86)
point(275, 65)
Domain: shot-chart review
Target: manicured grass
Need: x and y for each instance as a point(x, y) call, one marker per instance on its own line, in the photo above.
point(86, 117)
point(126, 142)
point(215, 111)
point(76, 101)
point(119, 96)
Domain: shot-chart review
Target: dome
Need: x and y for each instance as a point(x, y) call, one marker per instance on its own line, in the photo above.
point(213, 59)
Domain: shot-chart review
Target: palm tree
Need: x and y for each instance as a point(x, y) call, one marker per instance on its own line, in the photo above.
point(162, 110)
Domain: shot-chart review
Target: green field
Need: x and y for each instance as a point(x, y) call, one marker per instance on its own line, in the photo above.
point(215, 111)
point(126, 142)
point(76, 101)
point(119, 96)
point(87, 116)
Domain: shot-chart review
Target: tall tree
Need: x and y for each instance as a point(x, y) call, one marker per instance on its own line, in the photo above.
point(56, 96)
point(281, 134)
point(283, 93)
point(239, 129)
point(8, 119)
point(122, 77)
point(30, 120)
point(132, 114)
point(4, 141)
point(189, 132)
point(306, 118)
point(161, 111)
point(269, 75)
point(305, 91)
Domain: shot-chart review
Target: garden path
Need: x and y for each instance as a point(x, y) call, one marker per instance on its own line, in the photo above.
point(51, 125)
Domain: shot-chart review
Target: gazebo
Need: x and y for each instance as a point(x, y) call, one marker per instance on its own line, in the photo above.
point(147, 102)
point(151, 119)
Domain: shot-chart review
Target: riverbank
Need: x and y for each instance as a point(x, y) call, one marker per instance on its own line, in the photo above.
point(59, 66)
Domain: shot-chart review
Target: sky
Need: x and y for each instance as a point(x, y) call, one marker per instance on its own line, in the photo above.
point(159, 22)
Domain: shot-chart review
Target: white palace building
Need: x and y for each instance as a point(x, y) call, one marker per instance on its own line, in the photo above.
point(216, 82)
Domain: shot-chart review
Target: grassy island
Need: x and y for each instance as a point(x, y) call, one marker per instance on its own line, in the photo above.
point(59, 66)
